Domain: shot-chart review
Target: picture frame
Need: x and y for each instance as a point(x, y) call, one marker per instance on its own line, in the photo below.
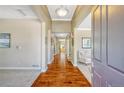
point(4, 40)
point(86, 42)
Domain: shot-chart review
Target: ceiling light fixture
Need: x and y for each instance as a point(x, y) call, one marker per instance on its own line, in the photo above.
point(62, 11)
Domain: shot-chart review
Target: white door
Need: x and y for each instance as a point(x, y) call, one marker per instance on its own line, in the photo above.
point(108, 46)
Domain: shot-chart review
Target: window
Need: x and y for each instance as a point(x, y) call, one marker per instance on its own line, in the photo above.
point(86, 42)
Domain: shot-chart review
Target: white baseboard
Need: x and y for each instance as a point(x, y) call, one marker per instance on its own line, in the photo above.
point(44, 69)
point(69, 59)
point(20, 68)
point(74, 64)
point(51, 60)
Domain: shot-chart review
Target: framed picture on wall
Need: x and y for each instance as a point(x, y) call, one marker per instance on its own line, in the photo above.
point(86, 42)
point(4, 40)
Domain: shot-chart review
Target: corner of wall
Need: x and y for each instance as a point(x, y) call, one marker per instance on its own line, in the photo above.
point(44, 69)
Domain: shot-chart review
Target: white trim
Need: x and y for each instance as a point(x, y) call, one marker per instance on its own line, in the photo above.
point(51, 60)
point(61, 19)
point(75, 47)
point(83, 28)
point(20, 68)
point(69, 58)
point(44, 69)
point(75, 65)
point(43, 52)
point(89, 80)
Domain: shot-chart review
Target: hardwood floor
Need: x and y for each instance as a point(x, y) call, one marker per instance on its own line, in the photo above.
point(61, 73)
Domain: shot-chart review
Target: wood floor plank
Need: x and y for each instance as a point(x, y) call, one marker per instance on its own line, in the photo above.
point(61, 73)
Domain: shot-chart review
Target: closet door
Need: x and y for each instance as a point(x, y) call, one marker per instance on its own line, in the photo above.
point(108, 46)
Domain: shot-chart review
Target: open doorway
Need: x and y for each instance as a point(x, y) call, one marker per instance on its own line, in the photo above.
point(62, 45)
point(61, 42)
point(84, 47)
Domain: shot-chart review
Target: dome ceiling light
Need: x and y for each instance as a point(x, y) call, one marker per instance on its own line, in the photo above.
point(61, 11)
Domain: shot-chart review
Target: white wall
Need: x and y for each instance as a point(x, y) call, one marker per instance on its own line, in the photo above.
point(49, 47)
point(80, 34)
point(86, 52)
point(25, 34)
point(61, 26)
point(86, 57)
point(43, 15)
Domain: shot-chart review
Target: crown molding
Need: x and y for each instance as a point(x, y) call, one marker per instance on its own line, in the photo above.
point(83, 29)
point(61, 19)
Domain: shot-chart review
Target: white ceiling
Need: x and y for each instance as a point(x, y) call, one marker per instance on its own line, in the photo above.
point(86, 24)
point(54, 16)
point(61, 35)
point(17, 12)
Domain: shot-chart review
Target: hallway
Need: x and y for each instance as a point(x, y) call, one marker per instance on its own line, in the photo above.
point(32, 38)
point(61, 73)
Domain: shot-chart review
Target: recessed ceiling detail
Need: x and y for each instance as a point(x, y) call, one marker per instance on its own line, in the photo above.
point(67, 12)
point(61, 35)
point(17, 12)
